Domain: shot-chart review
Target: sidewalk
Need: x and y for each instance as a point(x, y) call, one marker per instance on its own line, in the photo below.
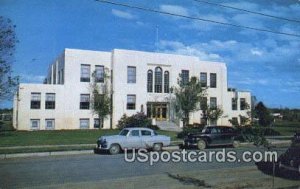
point(173, 146)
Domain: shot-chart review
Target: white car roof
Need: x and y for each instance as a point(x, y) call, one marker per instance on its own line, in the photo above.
point(138, 128)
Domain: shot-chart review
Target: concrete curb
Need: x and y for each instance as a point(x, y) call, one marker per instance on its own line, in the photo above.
point(172, 147)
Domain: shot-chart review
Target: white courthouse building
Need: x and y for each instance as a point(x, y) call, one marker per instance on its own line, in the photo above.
point(140, 81)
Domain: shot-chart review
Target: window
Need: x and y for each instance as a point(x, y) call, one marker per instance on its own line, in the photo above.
point(35, 101)
point(213, 80)
point(242, 103)
point(234, 103)
point(185, 75)
point(97, 123)
point(50, 101)
point(234, 121)
point(213, 102)
point(131, 74)
point(85, 101)
point(85, 73)
point(146, 133)
point(84, 123)
point(99, 74)
point(35, 124)
point(166, 82)
point(203, 79)
point(135, 133)
point(131, 102)
point(49, 124)
point(150, 81)
point(203, 103)
point(158, 80)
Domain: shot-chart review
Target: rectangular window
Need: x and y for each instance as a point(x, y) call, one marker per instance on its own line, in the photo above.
point(203, 103)
point(84, 101)
point(131, 99)
point(185, 75)
point(213, 80)
point(203, 79)
point(35, 101)
point(99, 74)
point(50, 101)
point(242, 103)
point(84, 123)
point(234, 103)
point(35, 124)
point(131, 74)
point(49, 124)
point(213, 102)
point(97, 124)
point(85, 73)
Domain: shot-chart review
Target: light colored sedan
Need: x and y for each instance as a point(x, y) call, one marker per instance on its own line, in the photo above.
point(133, 138)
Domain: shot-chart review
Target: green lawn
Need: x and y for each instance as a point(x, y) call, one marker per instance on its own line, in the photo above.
point(286, 128)
point(62, 137)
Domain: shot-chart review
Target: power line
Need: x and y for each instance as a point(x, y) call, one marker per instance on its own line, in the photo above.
point(249, 11)
point(196, 18)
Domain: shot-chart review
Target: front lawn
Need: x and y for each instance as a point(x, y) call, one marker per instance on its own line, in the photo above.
point(62, 137)
point(286, 128)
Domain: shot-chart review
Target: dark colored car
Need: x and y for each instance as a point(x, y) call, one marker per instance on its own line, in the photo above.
point(290, 160)
point(212, 136)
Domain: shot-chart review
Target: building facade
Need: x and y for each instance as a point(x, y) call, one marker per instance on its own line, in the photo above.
point(139, 82)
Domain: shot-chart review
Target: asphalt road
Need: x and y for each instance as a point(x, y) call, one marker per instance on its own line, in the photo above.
point(43, 171)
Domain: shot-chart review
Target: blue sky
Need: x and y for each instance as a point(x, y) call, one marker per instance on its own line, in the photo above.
point(266, 64)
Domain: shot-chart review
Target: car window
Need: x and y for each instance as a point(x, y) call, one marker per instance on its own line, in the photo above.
point(135, 133)
point(146, 133)
point(214, 130)
point(124, 132)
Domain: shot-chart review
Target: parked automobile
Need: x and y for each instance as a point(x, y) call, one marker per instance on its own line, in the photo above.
point(290, 160)
point(212, 136)
point(133, 138)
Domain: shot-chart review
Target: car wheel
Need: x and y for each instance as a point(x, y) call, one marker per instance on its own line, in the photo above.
point(201, 144)
point(236, 144)
point(114, 149)
point(157, 147)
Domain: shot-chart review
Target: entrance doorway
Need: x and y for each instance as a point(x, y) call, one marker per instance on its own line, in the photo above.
point(159, 111)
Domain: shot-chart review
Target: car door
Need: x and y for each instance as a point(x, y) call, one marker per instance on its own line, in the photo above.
point(226, 135)
point(215, 135)
point(147, 138)
point(134, 139)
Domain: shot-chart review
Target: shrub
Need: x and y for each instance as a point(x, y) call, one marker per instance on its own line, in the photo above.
point(136, 120)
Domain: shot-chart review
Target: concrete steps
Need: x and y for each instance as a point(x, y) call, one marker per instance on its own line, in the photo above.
point(168, 126)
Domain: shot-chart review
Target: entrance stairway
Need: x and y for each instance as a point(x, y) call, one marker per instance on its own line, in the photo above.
point(168, 126)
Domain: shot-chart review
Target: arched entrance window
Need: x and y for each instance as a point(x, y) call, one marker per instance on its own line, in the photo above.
point(158, 80)
point(166, 82)
point(150, 81)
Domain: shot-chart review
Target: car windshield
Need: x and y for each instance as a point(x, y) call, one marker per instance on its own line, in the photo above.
point(204, 130)
point(124, 132)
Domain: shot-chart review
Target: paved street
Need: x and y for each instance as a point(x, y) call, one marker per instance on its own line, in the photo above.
point(58, 170)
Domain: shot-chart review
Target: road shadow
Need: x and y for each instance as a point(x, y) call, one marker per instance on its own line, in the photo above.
point(267, 168)
point(189, 180)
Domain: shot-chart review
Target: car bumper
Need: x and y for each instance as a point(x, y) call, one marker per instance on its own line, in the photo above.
point(288, 167)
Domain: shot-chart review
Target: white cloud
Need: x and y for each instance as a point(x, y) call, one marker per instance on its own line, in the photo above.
point(180, 48)
point(123, 14)
point(29, 78)
point(175, 9)
point(256, 52)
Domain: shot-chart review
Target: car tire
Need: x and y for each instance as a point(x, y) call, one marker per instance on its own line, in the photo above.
point(201, 144)
point(114, 149)
point(157, 147)
point(236, 144)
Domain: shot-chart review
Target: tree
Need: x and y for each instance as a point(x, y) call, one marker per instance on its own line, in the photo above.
point(213, 114)
point(263, 114)
point(8, 41)
point(188, 96)
point(101, 96)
